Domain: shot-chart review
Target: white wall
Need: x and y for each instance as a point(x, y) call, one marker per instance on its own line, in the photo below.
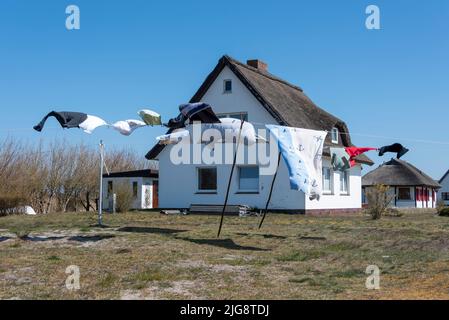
point(335, 200)
point(414, 202)
point(144, 191)
point(178, 184)
point(178, 187)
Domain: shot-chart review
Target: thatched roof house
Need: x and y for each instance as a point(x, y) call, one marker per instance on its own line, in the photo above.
point(412, 187)
point(285, 102)
point(249, 91)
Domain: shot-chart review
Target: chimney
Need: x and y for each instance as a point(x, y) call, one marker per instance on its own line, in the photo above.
point(258, 64)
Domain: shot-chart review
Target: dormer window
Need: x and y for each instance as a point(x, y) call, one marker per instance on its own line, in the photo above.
point(227, 86)
point(334, 135)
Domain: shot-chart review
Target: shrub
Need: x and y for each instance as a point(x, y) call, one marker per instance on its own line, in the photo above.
point(440, 206)
point(378, 200)
point(444, 212)
point(124, 195)
point(9, 202)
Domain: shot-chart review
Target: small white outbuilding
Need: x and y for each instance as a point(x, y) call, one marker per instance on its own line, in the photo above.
point(143, 183)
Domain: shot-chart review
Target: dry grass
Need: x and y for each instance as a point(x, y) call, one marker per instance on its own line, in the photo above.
point(152, 256)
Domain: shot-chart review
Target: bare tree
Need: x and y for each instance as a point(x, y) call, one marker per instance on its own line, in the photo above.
point(55, 177)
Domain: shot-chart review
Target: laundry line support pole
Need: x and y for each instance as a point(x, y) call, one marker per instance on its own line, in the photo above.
point(230, 179)
point(100, 200)
point(271, 191)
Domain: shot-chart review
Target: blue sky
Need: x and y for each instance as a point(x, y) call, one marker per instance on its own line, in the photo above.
point(389, 85)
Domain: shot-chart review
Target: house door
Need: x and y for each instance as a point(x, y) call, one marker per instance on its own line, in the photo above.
point(155, 194)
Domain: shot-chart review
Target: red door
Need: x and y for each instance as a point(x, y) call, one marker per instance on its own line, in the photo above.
point(155, 194)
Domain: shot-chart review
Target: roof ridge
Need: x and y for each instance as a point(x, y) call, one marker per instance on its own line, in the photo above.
point(265, 74)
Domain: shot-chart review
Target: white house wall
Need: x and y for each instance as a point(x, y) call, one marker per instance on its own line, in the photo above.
point(335, 200)
point(414, 202)
point(178, 187)
point(143, 184)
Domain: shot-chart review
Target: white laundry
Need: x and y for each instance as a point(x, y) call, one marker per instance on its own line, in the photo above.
point(174, 137)
point(228, 129)
point(91, 123)
point(302, 150)
point(128, 126)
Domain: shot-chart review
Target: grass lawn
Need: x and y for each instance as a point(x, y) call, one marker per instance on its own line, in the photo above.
point(153, 256)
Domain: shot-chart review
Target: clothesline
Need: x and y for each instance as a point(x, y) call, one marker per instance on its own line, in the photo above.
point(257, 123)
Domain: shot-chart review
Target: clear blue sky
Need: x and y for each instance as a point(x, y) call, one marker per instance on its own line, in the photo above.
point(392, 82)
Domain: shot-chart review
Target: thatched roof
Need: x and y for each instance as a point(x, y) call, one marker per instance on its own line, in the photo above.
point(285, 102)
point(398, 173)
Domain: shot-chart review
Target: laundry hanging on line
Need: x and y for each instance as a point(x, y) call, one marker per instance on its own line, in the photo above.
point(201, 112)
point(302, 151)
point(127, 127)
point(68, 120)
point(228, 131)
point(397, 148)
point(340, 159)
point(353, 152)
point(174, 137)
point(150, 117)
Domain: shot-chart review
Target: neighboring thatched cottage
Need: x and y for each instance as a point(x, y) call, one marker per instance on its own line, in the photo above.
point(238, 90)
point(412, 187)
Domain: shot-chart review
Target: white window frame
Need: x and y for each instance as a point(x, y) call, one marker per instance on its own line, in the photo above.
point(335, 135)
point(331, 181)
point(258, 180)
point(212, 191)
point(346, 176)
point(224, 86)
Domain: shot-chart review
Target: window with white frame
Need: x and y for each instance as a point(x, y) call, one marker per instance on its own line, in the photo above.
point(249, 178)
point(227, 86)
point(327, 180)
point(344, 182)
point(207, 179)
point(445, 196)
point(334, 135)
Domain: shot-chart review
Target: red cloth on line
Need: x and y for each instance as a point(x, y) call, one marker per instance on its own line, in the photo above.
point(354, 152)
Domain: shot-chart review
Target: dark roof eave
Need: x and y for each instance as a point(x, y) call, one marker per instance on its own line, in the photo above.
point(147, 173)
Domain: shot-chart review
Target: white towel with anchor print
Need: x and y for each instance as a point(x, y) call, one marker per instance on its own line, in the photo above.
point(302, 151)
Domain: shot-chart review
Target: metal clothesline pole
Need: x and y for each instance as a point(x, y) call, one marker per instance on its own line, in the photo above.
point(100, 200)
point(271, 191)
point(230, 178)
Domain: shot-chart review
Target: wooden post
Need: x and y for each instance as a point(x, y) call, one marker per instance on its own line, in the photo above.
point(230, 179)
point(271, 191)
